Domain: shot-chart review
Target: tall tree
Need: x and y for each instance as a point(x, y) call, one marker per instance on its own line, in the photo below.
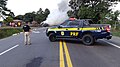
point(28, 17)
point(91, 8)
point(4, 11)
point(19, 17)
point(42, 15)
point(47, 12)
point(114, 18)
point(8, 19)
point(38, 16)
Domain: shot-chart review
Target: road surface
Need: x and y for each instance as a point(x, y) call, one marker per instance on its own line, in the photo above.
point(43, 53)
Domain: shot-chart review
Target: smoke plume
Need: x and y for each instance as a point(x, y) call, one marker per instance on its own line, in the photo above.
point(58, 15)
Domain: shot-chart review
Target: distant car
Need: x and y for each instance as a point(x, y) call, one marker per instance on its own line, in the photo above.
point(79, 29)
point(44, 24)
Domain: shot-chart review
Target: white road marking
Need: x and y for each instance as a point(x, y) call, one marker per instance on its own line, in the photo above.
point(35, 31)
point(8, 49)
point(14, 34)
point(21, 32)
point(113, 44)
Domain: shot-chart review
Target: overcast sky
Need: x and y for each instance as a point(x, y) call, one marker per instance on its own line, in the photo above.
point(24, 6)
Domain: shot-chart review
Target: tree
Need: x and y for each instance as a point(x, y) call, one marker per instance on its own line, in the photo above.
point(41, 15)
point(70, 13)
point(91, 8)
point(19, 17)
point(114, 18)
point(29, 17)
point(38, 16)
point(8, 19)
point(4, 10)
point(47, 12)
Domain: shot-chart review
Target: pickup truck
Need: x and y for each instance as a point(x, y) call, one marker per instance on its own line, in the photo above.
point(81, 29)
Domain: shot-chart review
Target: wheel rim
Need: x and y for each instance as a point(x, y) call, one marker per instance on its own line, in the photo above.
point(87, 39)
point(52, 38)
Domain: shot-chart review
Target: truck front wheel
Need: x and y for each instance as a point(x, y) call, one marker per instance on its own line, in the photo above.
point(52, 37)
point(88, 39)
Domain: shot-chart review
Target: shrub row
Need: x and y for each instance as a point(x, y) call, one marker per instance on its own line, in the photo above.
point(8, 32)
point(116, 32)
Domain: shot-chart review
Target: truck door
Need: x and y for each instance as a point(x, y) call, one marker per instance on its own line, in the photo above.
point(73, 29)
point(61, 32)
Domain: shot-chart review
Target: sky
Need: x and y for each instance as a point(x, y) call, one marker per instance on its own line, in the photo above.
point(20, 7)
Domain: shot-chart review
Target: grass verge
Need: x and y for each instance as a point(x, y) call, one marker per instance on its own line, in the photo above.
point(6, 32)
point(116, 32)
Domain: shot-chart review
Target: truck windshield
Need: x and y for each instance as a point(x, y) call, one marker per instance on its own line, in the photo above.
point(64, 23)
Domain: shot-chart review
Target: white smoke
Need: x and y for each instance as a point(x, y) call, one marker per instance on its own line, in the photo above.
point(58, 15)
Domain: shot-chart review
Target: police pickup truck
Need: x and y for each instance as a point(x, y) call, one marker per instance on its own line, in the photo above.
point(81, 30)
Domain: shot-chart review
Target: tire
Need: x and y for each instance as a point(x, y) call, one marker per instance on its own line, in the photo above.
point(52, 37)
point(88, 39)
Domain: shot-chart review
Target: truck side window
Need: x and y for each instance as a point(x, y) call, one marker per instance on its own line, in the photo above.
point(64, 23)
point(74, 24)
point(86, 23)
point(91, 22)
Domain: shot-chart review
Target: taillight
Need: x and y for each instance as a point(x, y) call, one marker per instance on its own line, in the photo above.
point(108, 28)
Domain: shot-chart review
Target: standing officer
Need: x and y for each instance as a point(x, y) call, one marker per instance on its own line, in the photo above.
point(26, 31)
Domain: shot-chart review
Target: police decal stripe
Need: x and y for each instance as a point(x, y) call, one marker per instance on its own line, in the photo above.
point(71, 29)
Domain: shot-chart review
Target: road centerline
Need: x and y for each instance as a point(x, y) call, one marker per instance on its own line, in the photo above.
point(8, 49)
point(64, 51)
point(61, 55)
point(69, 63)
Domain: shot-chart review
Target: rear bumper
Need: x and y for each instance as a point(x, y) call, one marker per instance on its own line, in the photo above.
point(109, 36)
point(105, 35)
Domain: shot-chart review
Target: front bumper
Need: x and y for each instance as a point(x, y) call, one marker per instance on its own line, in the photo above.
point(47, 31)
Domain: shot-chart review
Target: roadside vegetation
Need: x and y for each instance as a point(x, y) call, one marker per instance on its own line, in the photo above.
point(116, 32)
point(8, 32)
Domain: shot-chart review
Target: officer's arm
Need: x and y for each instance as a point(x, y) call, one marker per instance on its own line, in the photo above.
point(23, 29)
point(30, 29)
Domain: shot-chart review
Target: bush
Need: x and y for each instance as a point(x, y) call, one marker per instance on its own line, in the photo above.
point(9, 31)
point(116, 32)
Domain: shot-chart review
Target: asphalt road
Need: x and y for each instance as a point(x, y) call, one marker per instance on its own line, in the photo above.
point(43, 53)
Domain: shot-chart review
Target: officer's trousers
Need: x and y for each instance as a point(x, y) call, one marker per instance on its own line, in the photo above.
point(27, 37)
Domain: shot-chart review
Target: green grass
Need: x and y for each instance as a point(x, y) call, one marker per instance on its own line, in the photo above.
point(116, 32)
point(6, 32)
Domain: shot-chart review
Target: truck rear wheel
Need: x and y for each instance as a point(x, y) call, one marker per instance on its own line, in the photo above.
point(88, 39)
point(52, 37)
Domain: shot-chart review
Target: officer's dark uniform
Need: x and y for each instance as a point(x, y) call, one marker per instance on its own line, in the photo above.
point(26, 30)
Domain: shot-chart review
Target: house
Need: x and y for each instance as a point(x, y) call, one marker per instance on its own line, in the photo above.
point(16, 23)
